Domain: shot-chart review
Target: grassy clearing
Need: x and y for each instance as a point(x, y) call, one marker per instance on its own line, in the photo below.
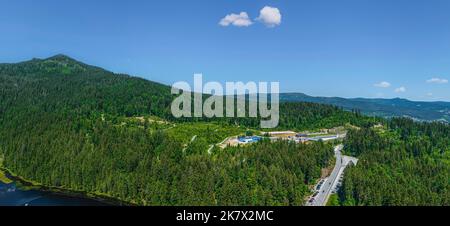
point(212, 133)
point(206, 134)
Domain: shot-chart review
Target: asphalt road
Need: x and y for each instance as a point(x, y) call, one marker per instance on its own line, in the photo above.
point(325, 191)
point(330, 184)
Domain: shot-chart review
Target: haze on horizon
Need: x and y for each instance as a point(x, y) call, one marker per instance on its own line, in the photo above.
point(352, 48)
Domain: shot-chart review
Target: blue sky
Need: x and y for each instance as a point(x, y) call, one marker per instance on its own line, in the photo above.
point(348, 48)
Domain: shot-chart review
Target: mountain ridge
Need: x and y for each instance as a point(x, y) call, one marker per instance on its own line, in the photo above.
point(363, 98)
point(396, 107)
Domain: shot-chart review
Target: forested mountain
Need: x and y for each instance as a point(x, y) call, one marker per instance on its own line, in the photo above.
point(67, 124)
point(419, 110)
point(61, 85)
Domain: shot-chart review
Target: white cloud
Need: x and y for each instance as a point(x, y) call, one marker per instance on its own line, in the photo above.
point(400, 90)
point(430, 94)
point(437, 81)
point(383, 85)
point(238, 20)
point(270, 16)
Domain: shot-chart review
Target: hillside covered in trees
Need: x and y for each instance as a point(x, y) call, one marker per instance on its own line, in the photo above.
point(67, 124)
point(397, 107)
point(407, 163)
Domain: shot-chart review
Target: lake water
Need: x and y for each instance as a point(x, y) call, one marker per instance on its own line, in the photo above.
point(11, 195)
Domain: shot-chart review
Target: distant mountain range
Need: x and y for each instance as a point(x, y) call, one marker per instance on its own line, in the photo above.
point(418, 110)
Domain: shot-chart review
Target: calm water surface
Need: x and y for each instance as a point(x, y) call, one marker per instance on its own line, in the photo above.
point(11, 195)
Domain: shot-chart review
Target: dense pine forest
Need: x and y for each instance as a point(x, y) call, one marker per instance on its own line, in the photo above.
point(70, 125)
point(406, 163)
point(67, 124)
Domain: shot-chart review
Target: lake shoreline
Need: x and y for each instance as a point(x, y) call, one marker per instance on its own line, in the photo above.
point(31, 185)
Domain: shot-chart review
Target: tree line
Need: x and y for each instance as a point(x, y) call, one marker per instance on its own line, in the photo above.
point(408, 163)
